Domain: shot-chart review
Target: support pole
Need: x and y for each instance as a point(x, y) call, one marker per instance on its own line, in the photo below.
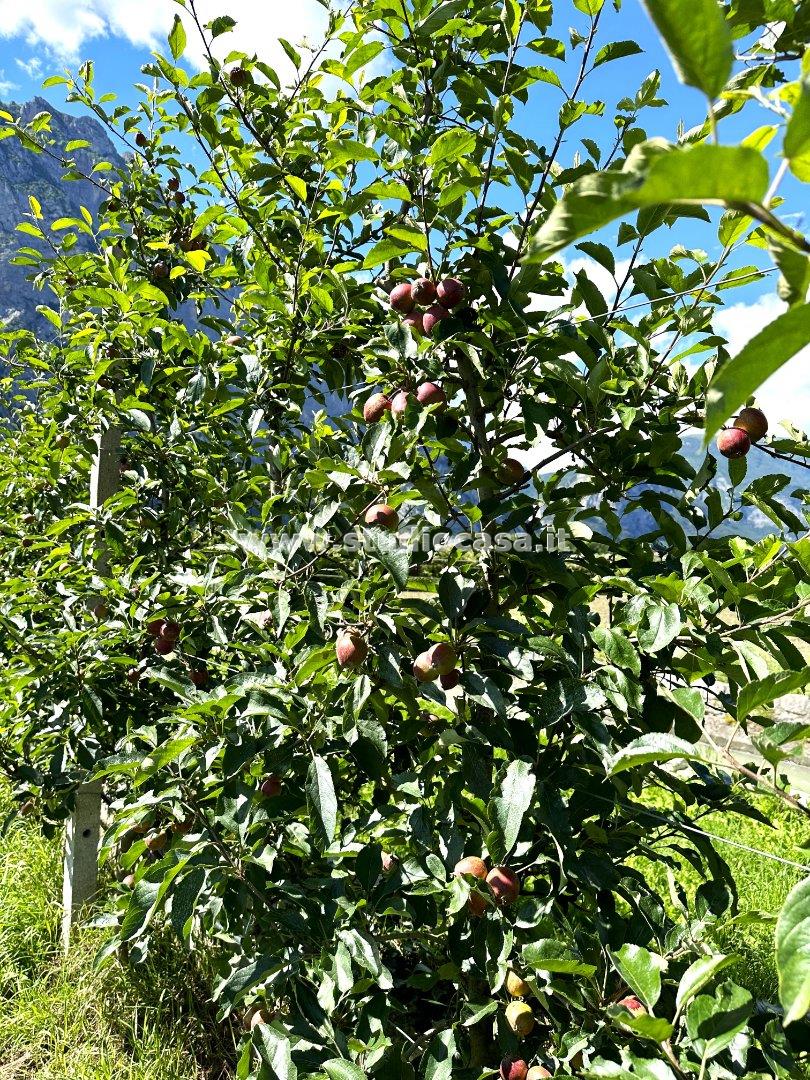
point(80, 878)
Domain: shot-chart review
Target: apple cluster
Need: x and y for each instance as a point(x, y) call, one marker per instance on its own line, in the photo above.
point(503, 883)
point(427, 393)
point(749, 427)
point(438, 300)
point(437, 662)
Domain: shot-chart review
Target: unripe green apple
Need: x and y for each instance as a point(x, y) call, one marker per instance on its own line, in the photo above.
point(443, 657)
point(516, 986)
point(435, 314)
point(753, 422)
point(424, 669)
point(451, 292)
point(733, 442)
point(514, 1069)
point(520, 1018)
point(351, 649)
point(400, 298)
point(504, 885)
point(375, 408)
point(423, 291)
point(384, 516)
point(538, 1072)
point(430, 393)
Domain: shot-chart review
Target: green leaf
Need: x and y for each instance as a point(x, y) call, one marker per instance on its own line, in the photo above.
point(797, 137)
point(793, 952)
point(698, 39)
point(618, 648)
point(386, 548)
point(653, 174)
point(177, 38)
point(764, 354)
point(660, 625)
point(656, 747)
point(322, 802)
point(713, 1022)
point(275, 1051)
point(700, 973)
point(764, 691)
point(507, 810)
point(589, 7)
point(340, 1069)
point(641, 970)
point(451, 144)
point(549, 954)
point(437, 1064)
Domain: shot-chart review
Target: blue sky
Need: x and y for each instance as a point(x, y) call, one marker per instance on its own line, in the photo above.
point(41, 37)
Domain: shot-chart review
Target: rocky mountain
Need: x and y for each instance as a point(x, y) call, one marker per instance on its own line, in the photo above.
point(24, 173)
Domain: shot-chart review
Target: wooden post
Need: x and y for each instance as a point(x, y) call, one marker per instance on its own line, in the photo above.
point(80, 878)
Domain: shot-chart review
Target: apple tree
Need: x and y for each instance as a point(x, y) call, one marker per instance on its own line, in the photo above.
point(383, 678)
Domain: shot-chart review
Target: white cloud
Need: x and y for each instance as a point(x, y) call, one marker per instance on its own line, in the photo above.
point(66, 27)
point(6, 85)
point(32, 67)
point(786, 395)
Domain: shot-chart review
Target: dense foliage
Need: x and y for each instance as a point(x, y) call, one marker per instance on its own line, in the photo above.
point(299, 810)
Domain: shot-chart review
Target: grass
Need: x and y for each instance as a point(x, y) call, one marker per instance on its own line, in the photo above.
point(762, 884)
point(61, 1019)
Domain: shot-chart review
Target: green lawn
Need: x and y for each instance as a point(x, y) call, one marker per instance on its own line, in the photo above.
point(762, 883)
point(60, 1019)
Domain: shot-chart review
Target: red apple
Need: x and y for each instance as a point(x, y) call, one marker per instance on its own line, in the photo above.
point(423, 291)
point(424, 669)
point(443, 657)
point(510, 471)
point(134, 676)
point(416, 323)
point(170, 630)
point(451, 292)
point(351, 649)
point(538, 1072)
point(471, 865)
point(504, 885)
point(400, 403)
point(173, 184)
point(753, 422)
point(388, 860)
point(163, 646)
point(199, 677)
point(514, 1069)
point(433, 316)
point(451, 680)
point(430, 393)
point(384, 516)
point(375, 408)
point(633, 1005)
point(271, 787)
point(400, 298)
point(154, 627)
point(733, 442)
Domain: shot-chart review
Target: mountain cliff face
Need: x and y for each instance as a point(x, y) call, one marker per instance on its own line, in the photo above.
point(23, 173)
